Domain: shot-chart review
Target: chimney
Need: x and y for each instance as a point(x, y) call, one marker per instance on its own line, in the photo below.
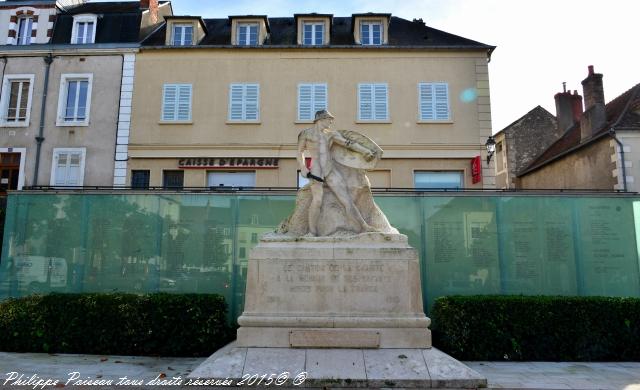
point(594, 111)
point(576, 106)
point(568, 109)
point(152, 6)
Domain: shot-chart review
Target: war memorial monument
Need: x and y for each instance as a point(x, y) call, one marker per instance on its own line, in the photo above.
point(333, 296)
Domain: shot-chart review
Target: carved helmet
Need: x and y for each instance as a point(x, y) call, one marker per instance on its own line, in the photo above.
point(323, 114)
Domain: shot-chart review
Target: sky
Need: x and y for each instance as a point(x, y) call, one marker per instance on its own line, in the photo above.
point(540, 44)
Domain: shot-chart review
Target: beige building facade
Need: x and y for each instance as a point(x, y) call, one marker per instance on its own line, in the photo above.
point(216, 112)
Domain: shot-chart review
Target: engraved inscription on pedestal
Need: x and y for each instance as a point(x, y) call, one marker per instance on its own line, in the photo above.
point(363, 285)
point(334, 339)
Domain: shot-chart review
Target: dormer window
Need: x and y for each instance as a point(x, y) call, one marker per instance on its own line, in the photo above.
point(247, 34)
point(313, 29)
point(249, 30)
point(184, 30)
point(25, 28)
point(182, 35)
point(371, 29)
point(313, 33)
point(84, 29)
point(371, 33)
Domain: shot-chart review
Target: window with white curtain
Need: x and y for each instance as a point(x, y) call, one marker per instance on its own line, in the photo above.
point(25, 28)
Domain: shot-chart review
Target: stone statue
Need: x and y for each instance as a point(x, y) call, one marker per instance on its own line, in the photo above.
point(338, 199)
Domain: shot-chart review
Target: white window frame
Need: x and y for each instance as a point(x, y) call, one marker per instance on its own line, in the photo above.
point(244, 103)
point(374, 117)
point(6, 98)
point(247, 42)
point(458, 172)
point(77, 19)
point(422, 116)
point(176, 107)
point(62, 98)
point(182, 41)
point(54, 164)
point(313, 25)
point(26, 40)
point(369, 38)
point(314, 105)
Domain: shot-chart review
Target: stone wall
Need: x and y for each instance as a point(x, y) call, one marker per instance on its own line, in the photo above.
point(587, 168)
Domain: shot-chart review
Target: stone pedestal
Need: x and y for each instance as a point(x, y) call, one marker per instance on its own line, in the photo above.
point(359, 291)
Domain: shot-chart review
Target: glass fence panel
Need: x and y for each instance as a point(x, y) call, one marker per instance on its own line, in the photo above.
point(201, 243)
point(461, 244)
point(536, 241)
point(256, 215)
point(607, 249)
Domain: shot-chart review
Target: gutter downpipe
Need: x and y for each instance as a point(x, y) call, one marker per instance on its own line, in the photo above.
point(4, 67)
point(40, 139)
point(612, 134)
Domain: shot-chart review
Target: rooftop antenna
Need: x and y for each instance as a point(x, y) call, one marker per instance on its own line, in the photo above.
point(564, 86)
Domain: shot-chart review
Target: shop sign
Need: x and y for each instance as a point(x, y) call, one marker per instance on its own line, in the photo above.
point(476, 170)
point(226, 163)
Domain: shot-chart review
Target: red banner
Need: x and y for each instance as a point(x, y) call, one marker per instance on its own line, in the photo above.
point(476, 169)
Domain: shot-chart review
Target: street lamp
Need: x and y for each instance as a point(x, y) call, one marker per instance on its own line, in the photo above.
point(491, 148)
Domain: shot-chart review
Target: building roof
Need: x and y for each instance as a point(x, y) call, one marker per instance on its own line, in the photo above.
point(118, 22)
point(402, 33)
point(537, 110)
point(623, 113)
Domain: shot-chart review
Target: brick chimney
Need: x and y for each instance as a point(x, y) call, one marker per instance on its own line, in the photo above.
point(594, 112)
point(152, 6)
point(568, 109)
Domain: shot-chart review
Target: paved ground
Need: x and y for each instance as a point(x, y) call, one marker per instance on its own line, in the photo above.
point(501, 375)
point(542, 375)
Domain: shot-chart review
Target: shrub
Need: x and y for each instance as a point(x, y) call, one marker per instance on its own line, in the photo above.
point(115, 324)
point(538, 328)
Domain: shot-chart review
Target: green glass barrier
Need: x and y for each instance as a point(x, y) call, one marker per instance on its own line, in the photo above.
point(200, 243)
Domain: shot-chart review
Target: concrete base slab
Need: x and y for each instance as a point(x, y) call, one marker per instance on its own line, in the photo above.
point(339, 368)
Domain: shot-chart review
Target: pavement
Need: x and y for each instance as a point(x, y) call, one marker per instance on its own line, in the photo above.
point(546, 375)
point(134, 371)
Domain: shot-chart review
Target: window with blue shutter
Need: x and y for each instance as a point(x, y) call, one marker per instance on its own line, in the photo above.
point(311, 98)
point(373, 102)
point(176, 102)
point(434, 101)
point(244, 102)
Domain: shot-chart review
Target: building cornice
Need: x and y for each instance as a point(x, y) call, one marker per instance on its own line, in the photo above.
point(80, 50)
point(452, 151)
point(329, 47)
